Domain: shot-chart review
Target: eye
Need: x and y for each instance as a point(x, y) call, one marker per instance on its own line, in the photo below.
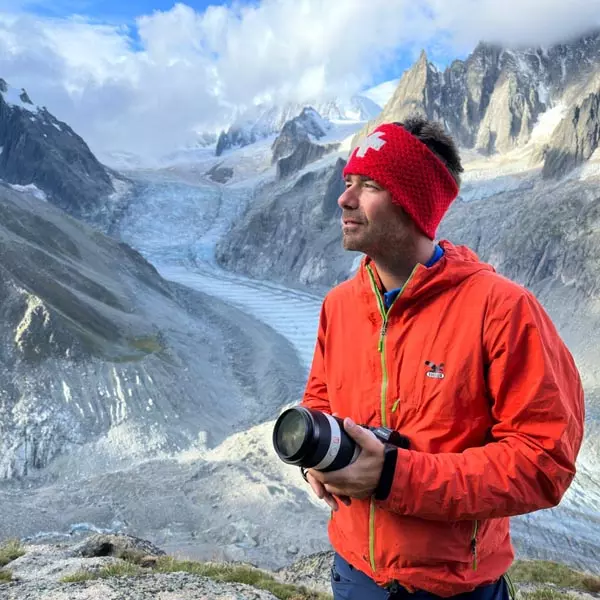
point(371, 185)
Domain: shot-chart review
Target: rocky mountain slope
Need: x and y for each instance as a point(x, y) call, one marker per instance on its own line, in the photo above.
point(103, 361)
point(491, 101)
point(291, 235)
point(36, 148)
point(294, 148)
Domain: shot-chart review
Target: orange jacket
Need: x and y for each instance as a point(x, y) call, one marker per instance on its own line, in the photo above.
point(468, 365)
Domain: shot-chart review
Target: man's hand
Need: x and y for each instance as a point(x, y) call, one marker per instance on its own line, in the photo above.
point(358, 480)
point(323, 494)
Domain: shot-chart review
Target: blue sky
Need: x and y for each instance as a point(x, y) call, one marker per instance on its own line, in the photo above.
point(111, 10)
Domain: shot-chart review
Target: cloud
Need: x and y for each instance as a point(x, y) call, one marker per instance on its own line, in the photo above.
point(514, 23)
point(146, 88)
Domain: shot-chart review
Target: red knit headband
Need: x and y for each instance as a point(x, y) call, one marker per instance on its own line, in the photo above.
point(415, 177)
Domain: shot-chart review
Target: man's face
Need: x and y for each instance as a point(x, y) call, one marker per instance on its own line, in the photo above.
point(371, 222)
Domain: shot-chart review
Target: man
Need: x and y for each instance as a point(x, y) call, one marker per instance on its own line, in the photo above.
point(428, 340)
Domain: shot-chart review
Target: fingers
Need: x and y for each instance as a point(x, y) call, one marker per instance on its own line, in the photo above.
point(363, 437)
point(321, 493)
point(330, 501)
point(317, 487)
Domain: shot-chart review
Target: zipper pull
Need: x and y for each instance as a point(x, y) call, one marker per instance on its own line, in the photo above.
point(395, 405)
point(382, 335)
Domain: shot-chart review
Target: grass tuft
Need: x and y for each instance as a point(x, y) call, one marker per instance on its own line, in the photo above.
point(5, 576)
point(541, 571)
point(239, 574)
point(10, 550)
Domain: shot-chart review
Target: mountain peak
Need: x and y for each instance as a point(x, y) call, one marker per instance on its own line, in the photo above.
point(15, 97)
point(492, 100)
point(40, 150)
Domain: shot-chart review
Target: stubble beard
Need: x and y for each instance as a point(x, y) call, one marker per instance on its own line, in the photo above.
point(352, 243)
point(382, 244)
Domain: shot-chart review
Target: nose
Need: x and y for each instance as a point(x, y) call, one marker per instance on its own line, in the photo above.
point(349, 198)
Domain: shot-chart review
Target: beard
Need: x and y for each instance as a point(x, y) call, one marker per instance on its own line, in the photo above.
point(389, 242)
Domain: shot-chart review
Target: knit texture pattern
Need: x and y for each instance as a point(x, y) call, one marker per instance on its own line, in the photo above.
point(415, 177)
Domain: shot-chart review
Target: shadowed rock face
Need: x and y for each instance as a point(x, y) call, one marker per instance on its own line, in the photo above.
point(104, 362)
point(291, 236)
point(39, 149)
point(575, 139)
point(308, 123)
point(293, 148)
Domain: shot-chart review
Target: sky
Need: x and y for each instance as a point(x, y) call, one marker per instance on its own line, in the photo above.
point(142, 76)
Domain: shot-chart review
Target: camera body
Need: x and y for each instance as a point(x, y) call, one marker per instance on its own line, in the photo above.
point(313, 439)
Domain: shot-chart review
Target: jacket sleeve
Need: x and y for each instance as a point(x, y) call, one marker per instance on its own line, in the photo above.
point(315, 393)
point(537, 409)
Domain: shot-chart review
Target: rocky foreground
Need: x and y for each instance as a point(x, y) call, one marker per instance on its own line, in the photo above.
point(113, 567)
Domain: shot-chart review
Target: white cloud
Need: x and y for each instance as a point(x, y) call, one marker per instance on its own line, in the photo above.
point(187, 69)
point(515, 23)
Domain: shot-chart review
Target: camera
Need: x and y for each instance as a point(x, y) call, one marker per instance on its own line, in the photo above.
point(316, 440)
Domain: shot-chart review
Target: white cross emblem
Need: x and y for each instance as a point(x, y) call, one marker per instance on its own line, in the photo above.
point(371, 141)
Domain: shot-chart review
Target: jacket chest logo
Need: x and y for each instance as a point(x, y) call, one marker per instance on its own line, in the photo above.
point(435, 371)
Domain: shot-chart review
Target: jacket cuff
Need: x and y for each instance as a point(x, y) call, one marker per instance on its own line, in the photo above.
point(384, 487)
point(394, 491)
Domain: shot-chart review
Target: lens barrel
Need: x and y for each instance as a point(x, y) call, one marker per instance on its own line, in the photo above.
point(313, 439)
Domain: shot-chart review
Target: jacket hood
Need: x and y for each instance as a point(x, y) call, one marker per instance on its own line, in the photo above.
point(457, 264)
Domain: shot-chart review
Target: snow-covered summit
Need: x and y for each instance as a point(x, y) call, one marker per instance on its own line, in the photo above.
point(264, 120)
point(14, 97)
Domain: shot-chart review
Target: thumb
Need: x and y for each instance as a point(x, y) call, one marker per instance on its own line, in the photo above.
point(363, 437)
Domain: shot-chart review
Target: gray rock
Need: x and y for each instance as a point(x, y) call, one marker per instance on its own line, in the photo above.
point(167, 586)
point(44, 564)
point(303, 154)
point(220, 174)
point(114, 545)
point(312, 572)
point(575, 139)
point(39, 149)
point(294, 148)
point(298, 129)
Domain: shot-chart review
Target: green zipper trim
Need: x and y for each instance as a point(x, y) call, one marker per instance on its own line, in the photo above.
point(474, 544)
point(384, 387)
point(372, 535)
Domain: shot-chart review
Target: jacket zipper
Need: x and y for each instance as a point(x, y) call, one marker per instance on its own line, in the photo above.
point(384, 387)
point(474, 544)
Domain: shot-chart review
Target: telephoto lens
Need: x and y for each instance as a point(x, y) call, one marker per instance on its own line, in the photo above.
point(313, 439)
